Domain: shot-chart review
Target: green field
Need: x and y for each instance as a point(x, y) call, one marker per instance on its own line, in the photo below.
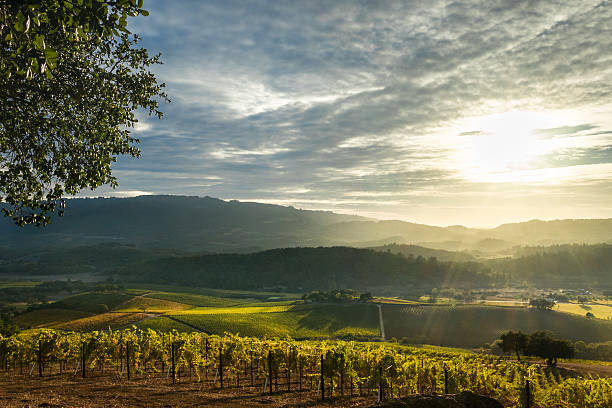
point(474, 325)
point(442, 325)
point(297, 321)
point(218, 293)
point(599, 311)
point(47, 317)
point(195, 299)
point(93, 302)
point(162, 324)
point(150, 305)
point(101, 322)
point(234, 310)
point(19, 284)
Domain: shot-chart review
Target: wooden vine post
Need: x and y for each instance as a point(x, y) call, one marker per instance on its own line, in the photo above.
point(127, 359)
point(251, 367)
point(83, 359)
point(322, 380)
point(527, 394)
point(342, 375)
point(445, 381)
point(163, 361)
point(173, 359)
point(270, 370)
point(221, 366)
point(381, 394)
point(40, 370)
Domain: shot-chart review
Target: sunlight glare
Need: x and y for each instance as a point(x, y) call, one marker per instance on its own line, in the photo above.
point(503, 142)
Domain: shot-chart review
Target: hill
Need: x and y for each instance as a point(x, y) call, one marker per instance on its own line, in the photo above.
point(558, 266)
point(415, 250)
point(304, 269)
point(212, 225)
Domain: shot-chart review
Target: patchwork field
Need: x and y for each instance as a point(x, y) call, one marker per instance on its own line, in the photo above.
point(598, 311)
point(146, 304)
point(297, 321)
point(101, 322)
point(93, 302)
point(195, 299)
point(48, 317)
point(474, 325)
point(280, 315)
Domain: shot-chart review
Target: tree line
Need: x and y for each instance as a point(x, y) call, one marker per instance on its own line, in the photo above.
point(539, 344)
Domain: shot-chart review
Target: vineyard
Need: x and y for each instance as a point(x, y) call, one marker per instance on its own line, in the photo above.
point(319, 369)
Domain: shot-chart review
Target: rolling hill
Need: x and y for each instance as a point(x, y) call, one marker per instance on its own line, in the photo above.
point(212, 225)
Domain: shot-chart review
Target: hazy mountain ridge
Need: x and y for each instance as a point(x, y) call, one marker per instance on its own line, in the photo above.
point(213, 225)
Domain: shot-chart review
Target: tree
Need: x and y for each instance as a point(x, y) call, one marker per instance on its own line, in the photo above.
point(542, 344)
point(514, 342)
point(71, 80)
point(542, 304)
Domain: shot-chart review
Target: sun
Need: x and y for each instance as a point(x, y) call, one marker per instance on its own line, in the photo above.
point(494, 145)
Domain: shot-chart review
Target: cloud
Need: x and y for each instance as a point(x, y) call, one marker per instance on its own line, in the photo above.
point(314, 100)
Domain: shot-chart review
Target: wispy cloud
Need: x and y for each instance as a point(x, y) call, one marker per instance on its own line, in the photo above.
point(311, 103)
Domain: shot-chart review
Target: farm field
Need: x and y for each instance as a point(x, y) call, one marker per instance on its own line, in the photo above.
point(19, 284)
point(599, 311)
point(48, 317)
point(473, 325)
point(102, 321)
point(145, 304)
point(216, 293)
point(297, 321)
point(93, 302)
point(470, 325)
point(195, 299)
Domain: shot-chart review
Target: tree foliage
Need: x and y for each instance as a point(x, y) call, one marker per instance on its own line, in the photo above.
point(539, 344)
point(71, 80)
point(514, 342)
point(542, 344)
point(542, 304)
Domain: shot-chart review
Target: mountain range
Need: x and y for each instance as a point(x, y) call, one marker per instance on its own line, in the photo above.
point(205, 224)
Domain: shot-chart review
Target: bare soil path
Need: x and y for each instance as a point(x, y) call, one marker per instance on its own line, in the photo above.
point(70, 391)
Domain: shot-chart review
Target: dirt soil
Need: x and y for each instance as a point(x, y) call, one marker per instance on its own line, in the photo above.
point(69, 391)
point(596, 370)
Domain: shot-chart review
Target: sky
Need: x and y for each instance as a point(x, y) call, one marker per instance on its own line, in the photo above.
point(439, 112)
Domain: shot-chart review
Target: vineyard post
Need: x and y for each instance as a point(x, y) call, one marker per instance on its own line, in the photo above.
point(300, 371)
point(251, 367)
point(322, 380)
point(82, 359)
point(221, 366)
point(172, 357)
point(288, 372)
point(40, 370)
point(127, 359)
point(527, 394)
point(445, 381)
point(163, 361)
point(342, 375)
point(381, 395)
point(270, 369)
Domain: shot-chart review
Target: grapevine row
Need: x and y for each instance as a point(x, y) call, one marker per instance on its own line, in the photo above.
point(326, 367)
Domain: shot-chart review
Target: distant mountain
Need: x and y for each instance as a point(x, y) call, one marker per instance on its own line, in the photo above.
point(187, 223)
point(538, 232)
point(212, 225)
